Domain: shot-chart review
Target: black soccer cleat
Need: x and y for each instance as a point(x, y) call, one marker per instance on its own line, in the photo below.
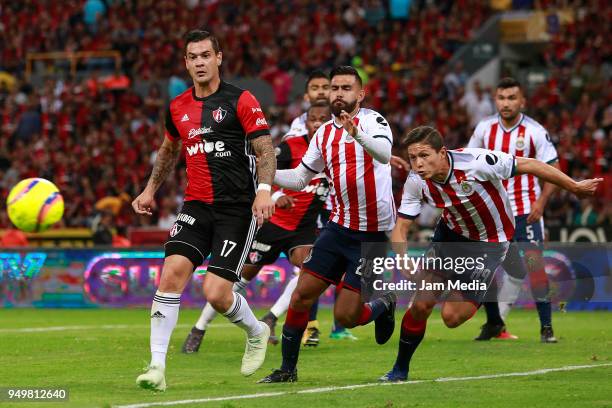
point(384, 325)
point(279, 376)
point(489, 331)
point(193, 341)
point(270, 320)
point(547, 335)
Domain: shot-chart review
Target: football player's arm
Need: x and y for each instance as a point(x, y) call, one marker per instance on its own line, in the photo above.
point(377, 144)
point(399, 235)
point(165, 161)
point(553, 175)
point(263, 205)
point(294, 179)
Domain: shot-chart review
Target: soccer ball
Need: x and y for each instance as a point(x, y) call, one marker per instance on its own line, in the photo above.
point(34, 204)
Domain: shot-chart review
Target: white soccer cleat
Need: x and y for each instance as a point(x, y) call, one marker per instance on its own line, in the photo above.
point(255, 351)
point(154, 379)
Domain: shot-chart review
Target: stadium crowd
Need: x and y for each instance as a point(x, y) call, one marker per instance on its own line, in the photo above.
point(96, 137)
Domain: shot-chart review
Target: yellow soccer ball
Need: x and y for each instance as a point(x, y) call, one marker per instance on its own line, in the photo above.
point(34, 205)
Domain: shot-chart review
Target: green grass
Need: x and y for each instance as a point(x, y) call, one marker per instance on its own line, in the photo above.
point(99, 365)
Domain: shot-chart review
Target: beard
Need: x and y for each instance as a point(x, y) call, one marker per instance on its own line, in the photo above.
point(338, 106)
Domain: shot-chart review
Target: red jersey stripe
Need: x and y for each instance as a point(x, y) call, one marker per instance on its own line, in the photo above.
point(350, 160)
point(370, 192)
point(505, 148)
point(531, 177)
point(492, 136)
point(435, 194)
point(501, 208)
point(483, 210)
point(335, 153)
point(465, 215)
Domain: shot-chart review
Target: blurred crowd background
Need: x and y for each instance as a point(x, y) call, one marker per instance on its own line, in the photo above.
point(96, 134)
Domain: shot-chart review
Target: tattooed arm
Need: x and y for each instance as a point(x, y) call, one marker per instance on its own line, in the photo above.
point(167, 155)
point(263, 206)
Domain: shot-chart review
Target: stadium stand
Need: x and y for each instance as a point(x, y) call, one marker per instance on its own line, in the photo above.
point(95, 135)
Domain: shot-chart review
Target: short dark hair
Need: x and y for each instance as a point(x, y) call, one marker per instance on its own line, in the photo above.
point(508, 82)
point(317, 73)
point(345, 70)
point(200, 35)
point(426, 135)
point(319, 104)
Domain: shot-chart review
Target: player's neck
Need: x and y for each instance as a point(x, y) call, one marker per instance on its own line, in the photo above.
point(442, 174)
point(207, 89)
point(509, 124)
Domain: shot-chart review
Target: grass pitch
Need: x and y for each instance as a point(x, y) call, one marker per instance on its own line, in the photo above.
point(97, 355)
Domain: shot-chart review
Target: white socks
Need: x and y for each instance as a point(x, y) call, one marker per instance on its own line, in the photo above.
point(508, 294)
point(209, 313)
point(207, 316)
point(164, 314)
point(242, 316)
point(282, 304)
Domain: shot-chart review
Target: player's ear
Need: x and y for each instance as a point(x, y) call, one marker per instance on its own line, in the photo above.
point(361, 95)
point(219, 58)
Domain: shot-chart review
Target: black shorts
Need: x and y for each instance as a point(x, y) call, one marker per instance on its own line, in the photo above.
point(223, 232)
point(473, 262)
point(340, 254)
point(271, 240)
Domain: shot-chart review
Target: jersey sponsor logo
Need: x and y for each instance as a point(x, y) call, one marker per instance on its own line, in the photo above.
point(219, 114)
point(202, 147)
point(186, 218)
point(261, 122)
point(196, 132)
point(255, 110)
point(260, 246)
point(176, 228)
point(185, 118)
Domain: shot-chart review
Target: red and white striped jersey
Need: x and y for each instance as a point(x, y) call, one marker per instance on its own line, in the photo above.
point(361, 194)
point(474, 200)
point(526, 139)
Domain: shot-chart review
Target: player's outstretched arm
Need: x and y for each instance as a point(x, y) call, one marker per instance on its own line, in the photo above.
point(294, 179)
point(167, 155)
point(263, 206)
point(552, 175)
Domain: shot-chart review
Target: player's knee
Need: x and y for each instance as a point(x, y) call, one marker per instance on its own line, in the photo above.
point(346, 321)
point(300, 301)
point(421, 310)
point(171, 281)
point(452, 318)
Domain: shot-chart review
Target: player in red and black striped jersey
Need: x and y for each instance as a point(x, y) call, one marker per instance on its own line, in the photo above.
point(223, 130)
point(292, 228)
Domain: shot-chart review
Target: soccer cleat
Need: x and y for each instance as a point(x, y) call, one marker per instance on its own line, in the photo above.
point(279, 376)
point(313, 337)
point(384, 325)
point(505, 335)
point(488, 331)
point(255, 351)
point(394, 376)
point(270, 320)
point(547, 335)
point(343, 334)
point(312, 325)
point(154, 379)
point(193, 341)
